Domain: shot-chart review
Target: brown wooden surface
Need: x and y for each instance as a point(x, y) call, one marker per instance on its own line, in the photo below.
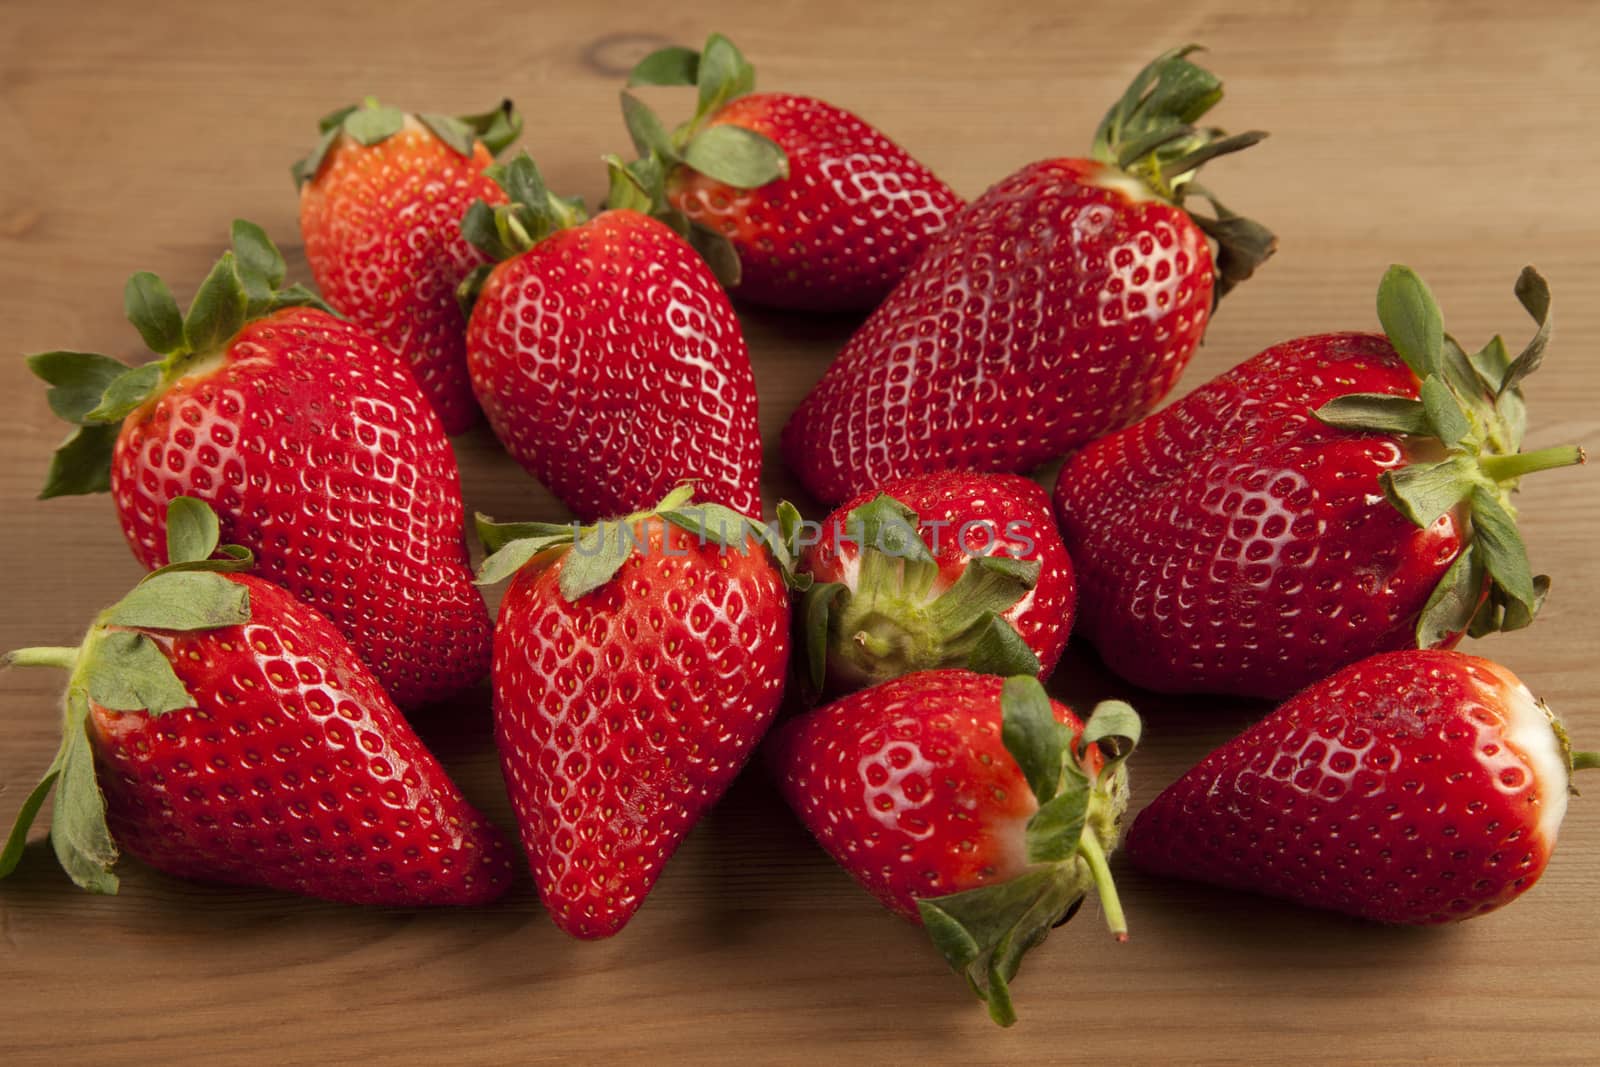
point(1457, 137)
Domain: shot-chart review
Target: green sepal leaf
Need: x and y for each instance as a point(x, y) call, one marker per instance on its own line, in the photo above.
point(1489, 363)
point(597, 555)
point(192, 530)
point(983, 933)
point(1164, 98)
point(303, 170)
point(154, 313)
point(236, 559)
point(1055, 830)
point(456, 135)
point(129, 672)
point(333, 121)
point(1375, 413)
point(299, 296)
point(736, 156)
point(261, 268)
point(514, 555)
point(78, 381)
point(1448, 421)
point(1496, 541)
point(717, 250)
point(1000, 650)
point(1533, 292)
point(125, 393)
point(816, 609)
point(182, 600)
point(17, 840)
point(1425, 491)
point(629, 189)
point(649, 137)
point(82, 464)
point(218, 309)
point(988, 585)
point(1454, 599)
point(716, 524)
point(1243, 245)
point(790, 525)
point(496, 128)
point(373, 125)
point(884, 524)
point(78, 830)
point(1032, 735)
point(722, 75)
point(497, 535)
point(1116, 728)
point(1499, 613)
point(1412, 321)
point(675, 65)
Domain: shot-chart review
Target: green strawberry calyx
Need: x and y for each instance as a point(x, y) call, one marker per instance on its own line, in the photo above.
point(895, 618)
point(733, 155)
point(1150, 133)
point(530, 214)
point(593, 553)
point(1469, 410)
point(96, 393)
point(983, 933)
point(118, 667)
point(370, 123)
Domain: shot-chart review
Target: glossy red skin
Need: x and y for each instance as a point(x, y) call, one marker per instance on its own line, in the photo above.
point(293, 770)
point(317, 451)
point(1014, 508)
point(909, 786)
point(1388, 791)
point(846, 224)
point(622, 718)
point(1053, 310)
point(611, 366)
point(382, 227)
point(1232, 543)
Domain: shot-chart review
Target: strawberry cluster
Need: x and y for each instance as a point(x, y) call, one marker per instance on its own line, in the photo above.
point(1320, 526)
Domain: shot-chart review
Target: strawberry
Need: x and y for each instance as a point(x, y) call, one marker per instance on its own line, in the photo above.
point(637, 664)
point(823, 212)
point(1423, 786)
point(1061, 304)
point(311, 441)
point(976, 806)
point(605, 355)
point(954, 569)
point(221, 730)
point(381, 200)
point(1240, 541)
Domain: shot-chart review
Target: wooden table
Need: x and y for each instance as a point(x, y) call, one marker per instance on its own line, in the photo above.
point(1459, 138)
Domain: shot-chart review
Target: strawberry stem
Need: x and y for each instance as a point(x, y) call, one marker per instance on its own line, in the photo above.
point(64, 658)
point(1089, 847)
point(1509, 468)
point(1584, 761)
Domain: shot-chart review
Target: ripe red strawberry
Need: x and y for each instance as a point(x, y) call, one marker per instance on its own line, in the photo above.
point(606, 356)
point(311, 441)
point(1411, 787)
point(824, 212)
point(1240, 540)
point(1061, 304)
point(219, 729)
point(954, 569)
point(974, 805)
point(381, 200)
point(637, 664)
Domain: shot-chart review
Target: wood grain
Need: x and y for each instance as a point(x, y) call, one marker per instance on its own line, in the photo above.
point(1457, 137)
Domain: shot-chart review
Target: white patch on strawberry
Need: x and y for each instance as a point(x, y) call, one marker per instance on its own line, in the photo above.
point(1529, 731)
